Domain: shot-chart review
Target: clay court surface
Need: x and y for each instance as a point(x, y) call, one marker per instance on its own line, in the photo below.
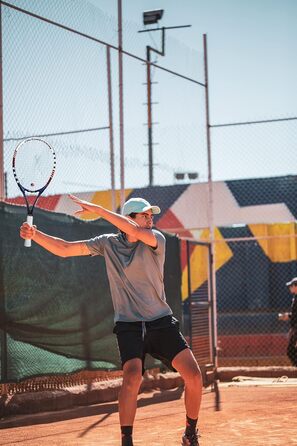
point(250, 415)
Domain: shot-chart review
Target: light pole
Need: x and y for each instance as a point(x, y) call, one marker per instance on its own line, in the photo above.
point(150, 18)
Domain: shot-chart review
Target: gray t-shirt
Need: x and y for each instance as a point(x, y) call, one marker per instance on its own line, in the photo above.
point(135, 273)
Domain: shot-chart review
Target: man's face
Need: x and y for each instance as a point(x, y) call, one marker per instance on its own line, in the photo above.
point(145, 219)
point(293, 288)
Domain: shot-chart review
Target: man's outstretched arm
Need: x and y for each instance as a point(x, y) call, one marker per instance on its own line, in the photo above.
point(122, 222)
point(55, 245)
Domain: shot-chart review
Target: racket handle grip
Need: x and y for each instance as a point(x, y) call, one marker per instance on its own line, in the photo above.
point(27, 242)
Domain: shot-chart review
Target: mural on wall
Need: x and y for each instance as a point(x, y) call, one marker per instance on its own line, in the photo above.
point(267, 206)
point(250, 274)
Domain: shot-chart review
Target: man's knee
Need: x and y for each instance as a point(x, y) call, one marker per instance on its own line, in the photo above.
point(186, 364)
point(193, 377)
point(132, 374)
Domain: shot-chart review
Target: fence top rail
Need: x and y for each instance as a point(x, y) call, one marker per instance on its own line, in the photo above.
point(260, 237)
point(69, 132)
point(264, 121)
point(231, 239)
point(225, 239)
point(102, 42)
point(195, 242)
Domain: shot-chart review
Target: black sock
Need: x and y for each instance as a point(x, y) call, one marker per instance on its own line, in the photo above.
point(127, 435)
point(191, 425)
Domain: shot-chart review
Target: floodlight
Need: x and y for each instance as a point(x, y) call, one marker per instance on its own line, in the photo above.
point(151, 17)
point(192, 175)
point(182, 175)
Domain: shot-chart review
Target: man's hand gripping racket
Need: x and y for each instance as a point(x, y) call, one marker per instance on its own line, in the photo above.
point(33, 165)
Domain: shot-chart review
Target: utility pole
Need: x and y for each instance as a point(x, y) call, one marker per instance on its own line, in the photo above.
point(149, 104)
point(121, 102)
point(149, 18)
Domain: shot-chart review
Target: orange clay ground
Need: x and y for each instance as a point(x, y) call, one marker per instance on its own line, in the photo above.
point(251, 414)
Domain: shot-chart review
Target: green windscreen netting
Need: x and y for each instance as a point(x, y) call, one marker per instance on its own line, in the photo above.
point(56, 314)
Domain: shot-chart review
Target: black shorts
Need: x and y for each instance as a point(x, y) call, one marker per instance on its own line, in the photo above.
point(160, 338)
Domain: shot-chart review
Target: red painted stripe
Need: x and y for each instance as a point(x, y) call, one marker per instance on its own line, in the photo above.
point(267, 344)
point(169, 220)
point(48, 203)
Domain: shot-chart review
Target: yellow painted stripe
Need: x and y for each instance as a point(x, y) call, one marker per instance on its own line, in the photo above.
point(277, 249)
point(104, 198)
point(199, 262)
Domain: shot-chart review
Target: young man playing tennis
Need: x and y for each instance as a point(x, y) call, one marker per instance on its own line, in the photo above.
point(143, 320)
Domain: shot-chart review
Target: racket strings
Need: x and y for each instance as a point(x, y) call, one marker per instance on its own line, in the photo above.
point(34, 164)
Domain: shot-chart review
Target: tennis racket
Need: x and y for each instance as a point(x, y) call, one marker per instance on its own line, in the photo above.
point(33, 166)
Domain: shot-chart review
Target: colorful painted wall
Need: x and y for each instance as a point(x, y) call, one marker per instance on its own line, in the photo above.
point(250, 275)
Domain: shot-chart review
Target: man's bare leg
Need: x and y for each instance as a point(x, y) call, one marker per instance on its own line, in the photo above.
point(132, 378)
point(185, 363)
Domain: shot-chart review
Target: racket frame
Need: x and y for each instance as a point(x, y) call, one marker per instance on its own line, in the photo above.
point(30, 208)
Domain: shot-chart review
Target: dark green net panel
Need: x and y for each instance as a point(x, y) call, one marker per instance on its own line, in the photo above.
point(56, 314)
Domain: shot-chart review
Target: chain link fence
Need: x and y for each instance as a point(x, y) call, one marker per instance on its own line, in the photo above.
point(251, 292)
point(55, 85)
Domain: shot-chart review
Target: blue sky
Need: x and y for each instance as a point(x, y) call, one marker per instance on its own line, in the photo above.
point(252, 75)
point(61, 86)
point(252, 50)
